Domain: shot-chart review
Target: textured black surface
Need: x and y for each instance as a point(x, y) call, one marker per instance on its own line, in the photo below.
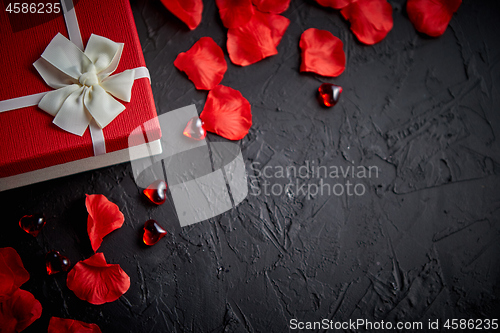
point(422, 243)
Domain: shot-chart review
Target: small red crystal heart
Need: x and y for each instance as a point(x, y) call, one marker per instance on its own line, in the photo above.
point(55, 262)
point(194, 129)
point(157, 192)
point(329, 94)
point(153, 232)
point(32, 224)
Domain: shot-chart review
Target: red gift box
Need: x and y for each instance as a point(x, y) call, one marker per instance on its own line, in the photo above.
point(31, 143)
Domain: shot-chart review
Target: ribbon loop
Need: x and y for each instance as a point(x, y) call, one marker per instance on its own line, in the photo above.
point(102, 51)
point(118, 84)
point(66, 57)
point(71, 116)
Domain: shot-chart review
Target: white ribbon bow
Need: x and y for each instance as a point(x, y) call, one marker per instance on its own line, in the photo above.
point(83, 83)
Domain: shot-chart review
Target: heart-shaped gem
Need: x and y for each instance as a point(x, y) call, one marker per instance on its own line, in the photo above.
point(194, 129)
point(156, 192)
point(329, 94)
point(55, 262)
point(32, 224)
point(153, 232)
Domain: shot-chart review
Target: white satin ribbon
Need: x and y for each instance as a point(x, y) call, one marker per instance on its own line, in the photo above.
point(72, 23)
point(21, 102)
point(83, 82)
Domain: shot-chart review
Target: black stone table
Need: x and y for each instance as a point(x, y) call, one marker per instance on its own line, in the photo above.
point(422, 242)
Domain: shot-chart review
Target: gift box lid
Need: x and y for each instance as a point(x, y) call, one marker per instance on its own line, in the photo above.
point(30, 141)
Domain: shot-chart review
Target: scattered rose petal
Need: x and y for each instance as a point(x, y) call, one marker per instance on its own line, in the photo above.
point(61, 325)
point(227, 113)
point(235, 13)
point(104, 217)
point(95, 281)
point(19, 311)
point(277, 23)
point(272, 6)
point(371, 20)
point(257, 39)
point(337, 4)
point(12, 273)
point(188, 11)
point(431, 17)
point(322, 53)
point(203, 63)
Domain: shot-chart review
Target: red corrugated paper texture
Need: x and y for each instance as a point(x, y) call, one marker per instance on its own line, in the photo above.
point(29, 140)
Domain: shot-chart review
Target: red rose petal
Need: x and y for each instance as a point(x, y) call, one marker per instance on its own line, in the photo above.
point(235, 13)
point(12, 273)
point(371, 20)
point(203, 63)
point(257, 39)
point(19, 311)
point(227, 113)
point(322, 53)
point(188, 11)
point(431, 16)
point(104, 217)
point(95, 281)
point(277, 23)
point(272, 6)
point(337, 4)
point(61, 325)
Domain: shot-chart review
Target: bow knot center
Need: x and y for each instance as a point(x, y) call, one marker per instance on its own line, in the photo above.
point(89, 78)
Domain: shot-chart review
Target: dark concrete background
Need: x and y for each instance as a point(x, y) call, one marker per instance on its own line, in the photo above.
point(421, 244)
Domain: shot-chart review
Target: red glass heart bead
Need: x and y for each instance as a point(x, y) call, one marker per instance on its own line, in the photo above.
point(153, 232)
point(329, 94)
point(32, 224)
point(55, 262)
point(157, 192)
point(194, 129)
